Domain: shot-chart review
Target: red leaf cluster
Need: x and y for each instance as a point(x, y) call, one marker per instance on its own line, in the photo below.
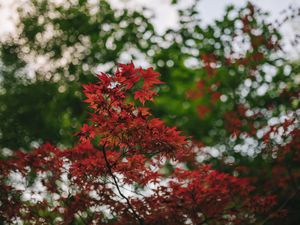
point(130, 168)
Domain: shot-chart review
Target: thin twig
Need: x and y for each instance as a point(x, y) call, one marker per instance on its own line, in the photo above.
point(281, 207)
point(136, 216)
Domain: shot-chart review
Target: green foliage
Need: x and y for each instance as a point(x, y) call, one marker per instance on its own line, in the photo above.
point(232, 71)
point(72, 39)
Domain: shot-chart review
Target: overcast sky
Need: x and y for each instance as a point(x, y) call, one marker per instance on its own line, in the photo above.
point(209, 9)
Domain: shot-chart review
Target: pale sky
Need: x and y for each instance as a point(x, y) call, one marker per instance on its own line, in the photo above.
point(210, 10)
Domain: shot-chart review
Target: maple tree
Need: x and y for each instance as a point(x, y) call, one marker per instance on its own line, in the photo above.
point(238, 165)
point(239, 99)
point(72, 50)
point(118, 173)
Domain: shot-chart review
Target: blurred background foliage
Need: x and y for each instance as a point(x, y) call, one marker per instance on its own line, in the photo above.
point(213, 74)
point(226, 83)
point(55, 49)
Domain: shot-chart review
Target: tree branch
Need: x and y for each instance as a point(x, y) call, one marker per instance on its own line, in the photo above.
point(109, 167)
